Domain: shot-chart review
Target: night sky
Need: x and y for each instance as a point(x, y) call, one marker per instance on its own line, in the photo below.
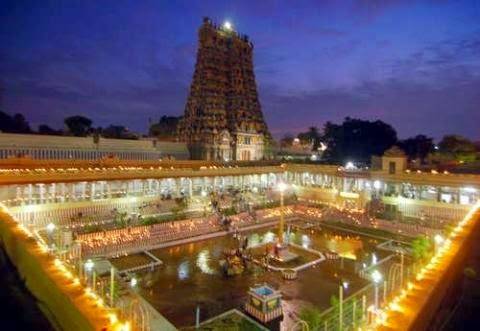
point(415, 65)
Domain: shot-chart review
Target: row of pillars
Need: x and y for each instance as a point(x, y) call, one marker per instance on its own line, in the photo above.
point(43, 193)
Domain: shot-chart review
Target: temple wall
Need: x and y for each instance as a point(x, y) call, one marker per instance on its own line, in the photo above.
point(431, 209)
point(434, 295)
point(86, 148)
point(57, 305)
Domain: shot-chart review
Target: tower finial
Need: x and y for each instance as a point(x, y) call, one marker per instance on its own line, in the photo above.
point(227, 25)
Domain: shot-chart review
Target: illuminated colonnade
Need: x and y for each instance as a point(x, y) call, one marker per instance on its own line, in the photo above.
point(433, 202)
point(398, 193)
point(355, 184)
point(46, 193)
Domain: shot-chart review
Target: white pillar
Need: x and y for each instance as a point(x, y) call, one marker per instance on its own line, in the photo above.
point(92, 190)
point(53, 192)
point(190, 187)
point(178, 187)
point(41, 192)
point(84, 190)
point(64, 192)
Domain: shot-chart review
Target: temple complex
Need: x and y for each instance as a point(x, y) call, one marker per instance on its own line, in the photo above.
point(93, 229)
point(223, 119)
point(129, 235)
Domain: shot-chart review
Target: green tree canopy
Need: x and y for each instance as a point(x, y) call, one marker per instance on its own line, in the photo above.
point(313, 317)
point(421, 248)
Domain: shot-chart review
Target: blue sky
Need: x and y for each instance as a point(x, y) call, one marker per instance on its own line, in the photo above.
point(413, 64)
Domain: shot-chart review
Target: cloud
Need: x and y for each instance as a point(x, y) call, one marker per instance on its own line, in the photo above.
point(411, 108)
point(314, 61)
point(369, 10)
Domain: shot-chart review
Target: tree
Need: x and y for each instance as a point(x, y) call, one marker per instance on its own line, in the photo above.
point(118, 132)
point(14, 124)
point(421, 248)
point(20, 124)
point(417, 147)
point(47, 130)
point(178, 211)
point(166, 128)
point(78, 125)
point(286, 141)
point(312, 136)
point(313, 317)
point(6, 122)
point(357, 140)
point(122, 219)
point(458, 148)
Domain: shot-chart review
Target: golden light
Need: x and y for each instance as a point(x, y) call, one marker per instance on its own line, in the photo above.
point(436, 264)
point(439, 239)
point(282, 186)
point(227, 25)
point(376, 276)
point(112, 318)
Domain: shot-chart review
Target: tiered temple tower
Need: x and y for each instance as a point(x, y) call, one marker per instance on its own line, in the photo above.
point(223, 119)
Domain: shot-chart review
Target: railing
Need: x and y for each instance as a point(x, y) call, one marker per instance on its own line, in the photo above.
point(358, 310)
point(47, 175)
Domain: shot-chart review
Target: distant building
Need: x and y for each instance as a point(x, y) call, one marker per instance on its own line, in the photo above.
point(393, 161)
point(223, 119)
point(87, 148)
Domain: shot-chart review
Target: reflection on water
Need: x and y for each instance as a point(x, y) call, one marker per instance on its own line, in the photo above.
point(203, 260)
point(191, 275)
point(306, 241)
point(183, 270)
point(345, 246)
point(268, 237)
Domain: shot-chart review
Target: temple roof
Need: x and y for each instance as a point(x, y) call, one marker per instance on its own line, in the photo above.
point(394, 151)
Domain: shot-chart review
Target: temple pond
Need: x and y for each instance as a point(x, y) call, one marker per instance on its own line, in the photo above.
point(191, 275)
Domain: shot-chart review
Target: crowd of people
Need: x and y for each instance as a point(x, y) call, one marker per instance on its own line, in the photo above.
point(135, 237)
point(126, 240)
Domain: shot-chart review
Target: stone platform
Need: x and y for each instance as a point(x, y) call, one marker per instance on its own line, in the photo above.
point(284, 255)
point(288, 259)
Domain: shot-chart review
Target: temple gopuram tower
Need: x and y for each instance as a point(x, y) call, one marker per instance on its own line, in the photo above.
point(223, 120)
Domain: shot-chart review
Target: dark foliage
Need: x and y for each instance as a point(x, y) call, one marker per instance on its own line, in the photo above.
point(458, 148)
point(166, 128)
point(312, 136)
point(417, 147)
point(78, 125)
point(14, 124)
point(118, 132)
point(357, 140)
point(47, 130)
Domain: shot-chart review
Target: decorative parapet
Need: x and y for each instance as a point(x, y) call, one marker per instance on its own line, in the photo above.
point(38, 171)
point(417, 304)
point(73, 306)
point(25, 176)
